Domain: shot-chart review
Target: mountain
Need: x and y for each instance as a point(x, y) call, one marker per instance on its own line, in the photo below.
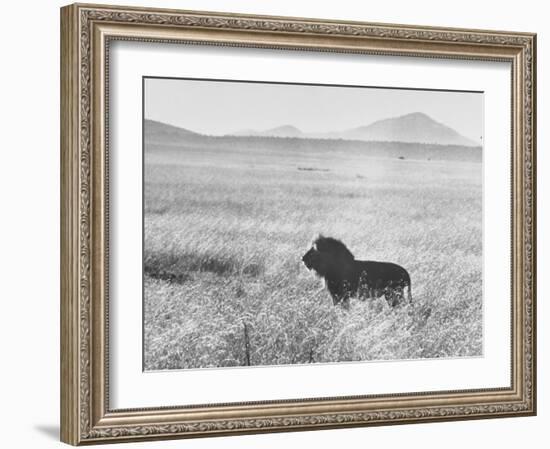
point(416, 127)
point(279, 131)
point(154, 131)
point(161, 138)
point(283, 131)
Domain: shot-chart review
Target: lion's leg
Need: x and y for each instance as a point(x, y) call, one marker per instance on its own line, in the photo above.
point(400, 294)
point(372, 293)
point(390, 296)
point(387, 295)
point(364, 290)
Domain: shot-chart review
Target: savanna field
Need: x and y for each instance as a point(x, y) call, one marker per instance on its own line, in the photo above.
point(225, 228)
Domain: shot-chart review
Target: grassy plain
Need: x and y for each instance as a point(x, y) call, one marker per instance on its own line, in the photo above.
point(225, 229)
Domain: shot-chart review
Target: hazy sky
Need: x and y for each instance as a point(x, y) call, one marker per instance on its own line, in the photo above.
point(222, 107)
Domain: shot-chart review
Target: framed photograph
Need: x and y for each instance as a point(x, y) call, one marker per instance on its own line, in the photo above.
point(281, 224)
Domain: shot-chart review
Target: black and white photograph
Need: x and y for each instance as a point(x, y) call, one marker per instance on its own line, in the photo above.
point(302, 224)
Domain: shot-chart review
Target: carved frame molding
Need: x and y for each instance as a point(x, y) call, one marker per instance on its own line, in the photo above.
point(87, 31)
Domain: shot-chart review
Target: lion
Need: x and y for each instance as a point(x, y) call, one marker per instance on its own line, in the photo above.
point(345, 277)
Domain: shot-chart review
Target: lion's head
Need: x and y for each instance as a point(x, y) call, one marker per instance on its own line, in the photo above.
point(327, 256)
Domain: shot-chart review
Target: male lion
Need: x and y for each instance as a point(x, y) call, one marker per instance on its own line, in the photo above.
point(346, 277)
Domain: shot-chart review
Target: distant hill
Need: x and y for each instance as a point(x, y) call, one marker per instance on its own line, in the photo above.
point(160, 137)
point(279, 131)
point(283, 131)
point(154, 131)
point(416, 127)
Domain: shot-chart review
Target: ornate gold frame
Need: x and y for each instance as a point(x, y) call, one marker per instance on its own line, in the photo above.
point(86, 31)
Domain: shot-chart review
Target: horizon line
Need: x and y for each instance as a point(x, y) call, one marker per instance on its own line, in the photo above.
point(319, 135)
point(306, 137)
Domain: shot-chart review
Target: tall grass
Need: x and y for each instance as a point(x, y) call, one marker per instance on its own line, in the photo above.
point(224, 235)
